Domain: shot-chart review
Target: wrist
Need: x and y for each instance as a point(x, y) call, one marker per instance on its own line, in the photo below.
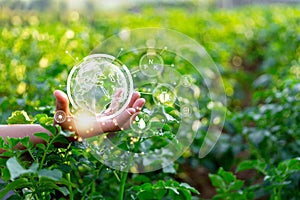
point(67, 124)
point(83, 125)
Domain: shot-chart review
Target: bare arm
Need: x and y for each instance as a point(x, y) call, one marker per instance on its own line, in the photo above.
point(23, 130)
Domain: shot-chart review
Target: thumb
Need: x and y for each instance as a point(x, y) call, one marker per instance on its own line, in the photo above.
point(62, 102)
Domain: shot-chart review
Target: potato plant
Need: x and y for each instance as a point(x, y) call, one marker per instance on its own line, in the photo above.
point(256, 49)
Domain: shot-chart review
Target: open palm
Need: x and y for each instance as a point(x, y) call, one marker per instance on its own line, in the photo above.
point(122, 121)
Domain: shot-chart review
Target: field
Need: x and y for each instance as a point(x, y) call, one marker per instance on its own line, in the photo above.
point(256, 48)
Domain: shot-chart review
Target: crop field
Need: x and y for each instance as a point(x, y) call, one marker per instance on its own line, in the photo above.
point(256, 49)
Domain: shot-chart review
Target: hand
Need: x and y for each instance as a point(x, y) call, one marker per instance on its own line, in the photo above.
point(122, 121)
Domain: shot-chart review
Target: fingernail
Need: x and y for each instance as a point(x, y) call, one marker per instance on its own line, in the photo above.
point(131, 111)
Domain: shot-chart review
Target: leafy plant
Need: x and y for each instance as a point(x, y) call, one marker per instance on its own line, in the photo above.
point(256, 49)
point(276, 178)
point(34, 183)
point(228, 186)
point(163, 190)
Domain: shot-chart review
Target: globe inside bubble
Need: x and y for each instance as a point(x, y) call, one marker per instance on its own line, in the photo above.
point(100, 84)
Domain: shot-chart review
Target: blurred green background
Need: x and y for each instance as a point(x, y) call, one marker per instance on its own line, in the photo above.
point(255, 46)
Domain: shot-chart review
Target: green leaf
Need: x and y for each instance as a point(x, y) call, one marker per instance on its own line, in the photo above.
point(48, 185)
point(146, 195)
point(73, 185)
point(252, 164)
point(61, 139)
point(236, 185)
point(187, 194)
point(43, 119)
point(19, 117)
point(290, 165)
point(220, 197)
point(55, 174)
point(34, 167)
point(8, 154)
point(217, 181)
point(145, 191)
point(19, 183)
point(228, 177)
point(12, 142)
point(174, 189)
point(141, 179)
point(65, 168)
point(43, 136)
point(160, 193)
point(190, 188)
point(147, 187)
point(294, 164)
point(41, 146)
point(52, 129)
point(64, 191)
point(26, 142)
point(16, 170)
point(3, 144)
point(245, 165)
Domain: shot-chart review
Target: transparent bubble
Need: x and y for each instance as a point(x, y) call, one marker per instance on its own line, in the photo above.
point(99, 84)
point(60, 116)
point(164, 94)
point(140, 123)
point(151, 64)
point(186, 81)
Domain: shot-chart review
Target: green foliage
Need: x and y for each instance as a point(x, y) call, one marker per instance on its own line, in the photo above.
point(256, 49)
point(38, 183)
point(276, 178)
point(228, 186)
point(19, 117)
point(163, 190)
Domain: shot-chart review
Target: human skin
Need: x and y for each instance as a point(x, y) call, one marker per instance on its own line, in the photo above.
point(95, 127)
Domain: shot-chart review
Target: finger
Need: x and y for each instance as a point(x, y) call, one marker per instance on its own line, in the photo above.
point(127, 124)
point(134, 97)
point(138, 104)
point(117, 123)
point(115, 101)
point(62, 102)
point(125, 117)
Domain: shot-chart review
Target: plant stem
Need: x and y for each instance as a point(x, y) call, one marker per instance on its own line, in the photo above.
point(30, 153)
point(254, 149)
point(116, 175)
point(70, 187)
point(122, 185)
point(45, 152)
